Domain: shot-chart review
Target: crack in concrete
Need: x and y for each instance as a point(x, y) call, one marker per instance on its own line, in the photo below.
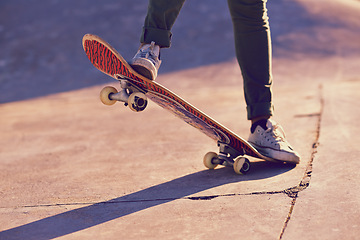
point(195, 198)
point(305, 181)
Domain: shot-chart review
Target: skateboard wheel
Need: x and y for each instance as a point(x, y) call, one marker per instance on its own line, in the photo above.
point(105, 95)
point(241, 165)
point(137, 102)
point(209, 160)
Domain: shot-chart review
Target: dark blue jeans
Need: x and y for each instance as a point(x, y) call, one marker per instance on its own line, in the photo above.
point(252, 44)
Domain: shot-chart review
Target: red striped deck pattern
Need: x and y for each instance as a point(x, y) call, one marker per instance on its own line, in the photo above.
point(109, 61)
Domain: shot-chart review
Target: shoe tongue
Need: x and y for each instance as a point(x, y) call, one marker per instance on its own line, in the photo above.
point(269, 124)
point(151, 47)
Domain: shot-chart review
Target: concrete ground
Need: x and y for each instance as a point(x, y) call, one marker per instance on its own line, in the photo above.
point(72, 168)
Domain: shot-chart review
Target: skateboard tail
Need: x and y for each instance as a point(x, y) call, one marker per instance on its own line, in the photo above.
point(106, 59)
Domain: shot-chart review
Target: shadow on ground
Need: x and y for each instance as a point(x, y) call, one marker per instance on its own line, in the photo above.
point(98, 213)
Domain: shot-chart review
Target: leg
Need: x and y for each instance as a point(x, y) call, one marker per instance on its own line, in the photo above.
point(156, 34)
point(159, 20)
point(253, 52)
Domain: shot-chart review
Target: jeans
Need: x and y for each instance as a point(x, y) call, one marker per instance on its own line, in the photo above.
point(252, 44)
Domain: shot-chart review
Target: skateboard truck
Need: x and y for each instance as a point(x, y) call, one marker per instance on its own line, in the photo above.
point(228, 157)
point(129, 95)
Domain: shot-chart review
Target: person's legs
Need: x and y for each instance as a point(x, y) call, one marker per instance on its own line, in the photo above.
point(159, 20)
point(156, 34)
point(253, 52)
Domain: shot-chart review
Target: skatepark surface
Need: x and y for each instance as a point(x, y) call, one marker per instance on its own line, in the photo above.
point(72, 168)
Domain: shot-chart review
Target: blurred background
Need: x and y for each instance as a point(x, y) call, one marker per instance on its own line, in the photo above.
point(41, 51)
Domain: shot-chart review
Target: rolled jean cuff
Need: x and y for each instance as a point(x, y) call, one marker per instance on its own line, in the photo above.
point(161, 37)
point(260, 109)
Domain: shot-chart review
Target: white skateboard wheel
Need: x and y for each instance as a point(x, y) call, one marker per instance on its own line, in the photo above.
point(105, 95)
point(208, 160)
point(241, 165)
point(137, 101)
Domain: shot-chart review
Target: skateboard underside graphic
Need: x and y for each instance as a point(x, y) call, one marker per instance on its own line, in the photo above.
point(136, 90)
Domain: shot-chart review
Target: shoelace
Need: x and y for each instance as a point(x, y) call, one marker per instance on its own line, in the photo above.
point(277, 132)
point(148, 53)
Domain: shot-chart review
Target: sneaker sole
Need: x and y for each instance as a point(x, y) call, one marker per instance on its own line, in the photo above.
point(145, 68)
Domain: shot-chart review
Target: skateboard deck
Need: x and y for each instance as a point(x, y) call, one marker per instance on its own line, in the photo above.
point(136, 89)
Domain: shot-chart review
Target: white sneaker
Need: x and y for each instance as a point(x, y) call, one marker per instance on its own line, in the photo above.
point(147, 60)
point(272, 143)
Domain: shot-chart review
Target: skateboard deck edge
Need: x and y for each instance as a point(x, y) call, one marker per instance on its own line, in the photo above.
point(144, 81)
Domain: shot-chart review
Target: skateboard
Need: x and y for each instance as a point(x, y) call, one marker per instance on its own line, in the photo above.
point(137, 89)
